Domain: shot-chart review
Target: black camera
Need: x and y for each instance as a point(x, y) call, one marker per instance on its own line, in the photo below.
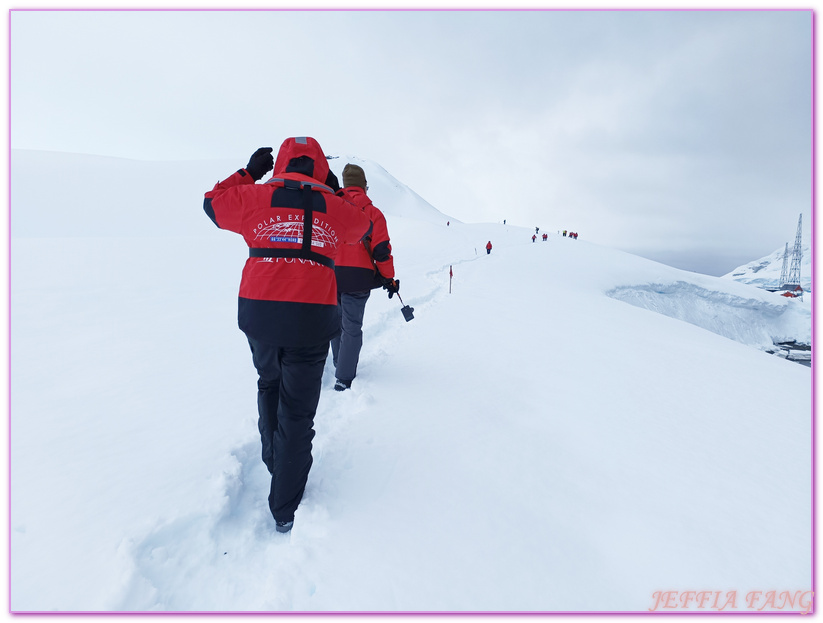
point(408, 312)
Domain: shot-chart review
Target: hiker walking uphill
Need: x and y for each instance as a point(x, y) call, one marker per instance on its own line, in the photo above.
point(488, 247)
point(359, 269)
point(294, 225)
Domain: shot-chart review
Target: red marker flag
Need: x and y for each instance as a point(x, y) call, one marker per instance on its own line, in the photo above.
point(450, 279)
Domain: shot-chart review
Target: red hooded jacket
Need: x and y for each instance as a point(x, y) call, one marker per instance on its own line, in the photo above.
point(355, 264)
point(288, 292)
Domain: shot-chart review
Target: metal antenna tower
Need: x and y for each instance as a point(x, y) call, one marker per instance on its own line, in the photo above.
point(784, 273)
point(797, 255)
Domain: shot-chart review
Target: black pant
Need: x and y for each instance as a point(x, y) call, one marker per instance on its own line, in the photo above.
point(288, 391)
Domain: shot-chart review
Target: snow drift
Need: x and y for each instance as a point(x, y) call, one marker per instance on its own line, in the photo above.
point(760, 321)
point(527, 443)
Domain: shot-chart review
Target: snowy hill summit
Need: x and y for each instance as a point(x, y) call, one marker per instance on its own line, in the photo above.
point(562, 427)
point(385, 190)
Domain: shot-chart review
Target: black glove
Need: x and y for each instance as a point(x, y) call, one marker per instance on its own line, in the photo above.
point(391, 285)
point(331, 181)
point(260, 163)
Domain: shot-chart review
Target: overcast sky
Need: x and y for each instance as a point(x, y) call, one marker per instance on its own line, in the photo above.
point(683, 136)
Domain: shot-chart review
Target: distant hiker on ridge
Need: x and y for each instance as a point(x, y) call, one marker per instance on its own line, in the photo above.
point(359, 268)
point(294, 226)
point(488, 247)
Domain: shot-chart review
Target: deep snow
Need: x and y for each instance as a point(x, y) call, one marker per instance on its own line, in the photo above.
point(528, 442)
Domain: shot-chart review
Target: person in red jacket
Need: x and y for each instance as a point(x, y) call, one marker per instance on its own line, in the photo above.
point(488, 247)
point(359, 269)
point(294, 225)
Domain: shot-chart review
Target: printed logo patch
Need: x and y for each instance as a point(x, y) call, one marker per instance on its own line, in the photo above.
point(322, 234)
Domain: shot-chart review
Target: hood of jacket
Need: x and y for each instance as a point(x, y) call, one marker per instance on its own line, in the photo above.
point(357, 196)
point(302, 155)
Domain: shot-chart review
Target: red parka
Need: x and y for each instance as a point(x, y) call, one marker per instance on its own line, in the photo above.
point(288, 292)
point(355, 264)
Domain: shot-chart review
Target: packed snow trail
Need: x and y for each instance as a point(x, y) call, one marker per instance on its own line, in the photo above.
point(189, 547)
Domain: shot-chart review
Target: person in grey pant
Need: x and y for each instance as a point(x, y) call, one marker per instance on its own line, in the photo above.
point(351, 306)
point(359, 268)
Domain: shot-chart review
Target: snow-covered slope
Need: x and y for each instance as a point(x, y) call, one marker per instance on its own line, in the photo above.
point(527, 442)
point(765, 272)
